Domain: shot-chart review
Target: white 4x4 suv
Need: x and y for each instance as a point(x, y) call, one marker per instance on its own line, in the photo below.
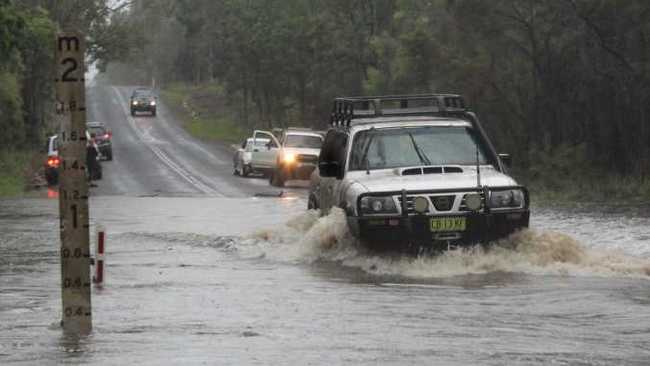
point(416, 172)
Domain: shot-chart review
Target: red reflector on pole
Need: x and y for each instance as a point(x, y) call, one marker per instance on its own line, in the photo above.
point(99, 257)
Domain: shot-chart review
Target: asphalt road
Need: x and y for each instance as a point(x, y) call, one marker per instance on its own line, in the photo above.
point(155, 156)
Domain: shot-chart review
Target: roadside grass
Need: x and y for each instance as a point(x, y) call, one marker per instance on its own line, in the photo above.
point(606, 189)
point(15, 168)
point(204, 112)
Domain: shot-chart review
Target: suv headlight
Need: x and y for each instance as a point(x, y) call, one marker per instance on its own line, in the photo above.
point(377, 205)
point(289, 158)
point(511, 198)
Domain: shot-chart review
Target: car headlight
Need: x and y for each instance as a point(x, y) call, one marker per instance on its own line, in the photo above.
point(511, 198)
point(377, 205)
point(135, 102)
point(289, 158)
point(153, 103)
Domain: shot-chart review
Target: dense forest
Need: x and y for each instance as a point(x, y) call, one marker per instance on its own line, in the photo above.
point(563, 85)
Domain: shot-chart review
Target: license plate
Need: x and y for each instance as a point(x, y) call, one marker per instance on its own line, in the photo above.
point(439, 224)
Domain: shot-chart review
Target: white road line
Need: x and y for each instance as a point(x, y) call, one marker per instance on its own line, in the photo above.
point(146, 140)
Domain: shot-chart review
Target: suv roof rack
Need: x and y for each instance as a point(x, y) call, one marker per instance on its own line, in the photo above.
point(346, 109)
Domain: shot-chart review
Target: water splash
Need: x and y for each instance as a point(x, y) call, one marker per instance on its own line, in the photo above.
point(308, 238)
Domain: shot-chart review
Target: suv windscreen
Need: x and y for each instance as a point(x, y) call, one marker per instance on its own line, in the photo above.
point(306, 141)
point(97, 130)
point(144, 94)
point(415, 146)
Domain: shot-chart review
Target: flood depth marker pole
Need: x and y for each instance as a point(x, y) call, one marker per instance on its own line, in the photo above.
point(73, 186)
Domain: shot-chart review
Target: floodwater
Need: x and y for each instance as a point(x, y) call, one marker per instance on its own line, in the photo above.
point(200, 280)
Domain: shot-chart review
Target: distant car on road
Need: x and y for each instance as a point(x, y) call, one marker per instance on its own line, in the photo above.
point(143, 100)
point(296, 156)
point(242, 160)
point(52, 161)
point(103, 137)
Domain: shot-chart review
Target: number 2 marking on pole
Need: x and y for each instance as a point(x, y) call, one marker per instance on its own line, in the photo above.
point(65, 78)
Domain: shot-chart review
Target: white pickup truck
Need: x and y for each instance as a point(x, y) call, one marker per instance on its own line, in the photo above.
point(292, 156)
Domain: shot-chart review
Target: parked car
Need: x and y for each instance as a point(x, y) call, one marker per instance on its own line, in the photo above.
point(293, 156)
point(103, 137)
point(143, 100)
point(52, 161)
point(243, 156)
point(415, 172)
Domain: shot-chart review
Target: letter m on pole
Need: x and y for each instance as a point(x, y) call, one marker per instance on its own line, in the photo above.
point(71, 43)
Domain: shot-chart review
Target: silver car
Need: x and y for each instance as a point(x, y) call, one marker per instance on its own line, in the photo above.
point(243, 158)
point(294, 155)
point(416, 172)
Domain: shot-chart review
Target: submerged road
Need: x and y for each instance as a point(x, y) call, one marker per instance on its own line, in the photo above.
point(203, 270)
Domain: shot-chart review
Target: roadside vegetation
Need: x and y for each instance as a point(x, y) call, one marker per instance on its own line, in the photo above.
point(204, 112)
point(15, 169)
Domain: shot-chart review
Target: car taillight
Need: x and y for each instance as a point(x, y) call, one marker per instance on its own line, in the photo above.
point(53, 162)
point(107, 135)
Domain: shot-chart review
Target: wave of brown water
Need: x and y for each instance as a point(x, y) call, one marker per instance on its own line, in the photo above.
point(308, 238)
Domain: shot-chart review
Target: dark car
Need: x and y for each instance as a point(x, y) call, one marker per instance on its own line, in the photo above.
point(103, 137)
point(143, 100)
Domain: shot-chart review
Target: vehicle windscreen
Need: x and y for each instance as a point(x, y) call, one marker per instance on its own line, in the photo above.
point(142, 94)
point(415, 146)
point(97, 130)
point(310, 142)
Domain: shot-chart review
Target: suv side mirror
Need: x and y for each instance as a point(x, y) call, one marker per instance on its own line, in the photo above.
point(506, 159)
point(330, 169)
